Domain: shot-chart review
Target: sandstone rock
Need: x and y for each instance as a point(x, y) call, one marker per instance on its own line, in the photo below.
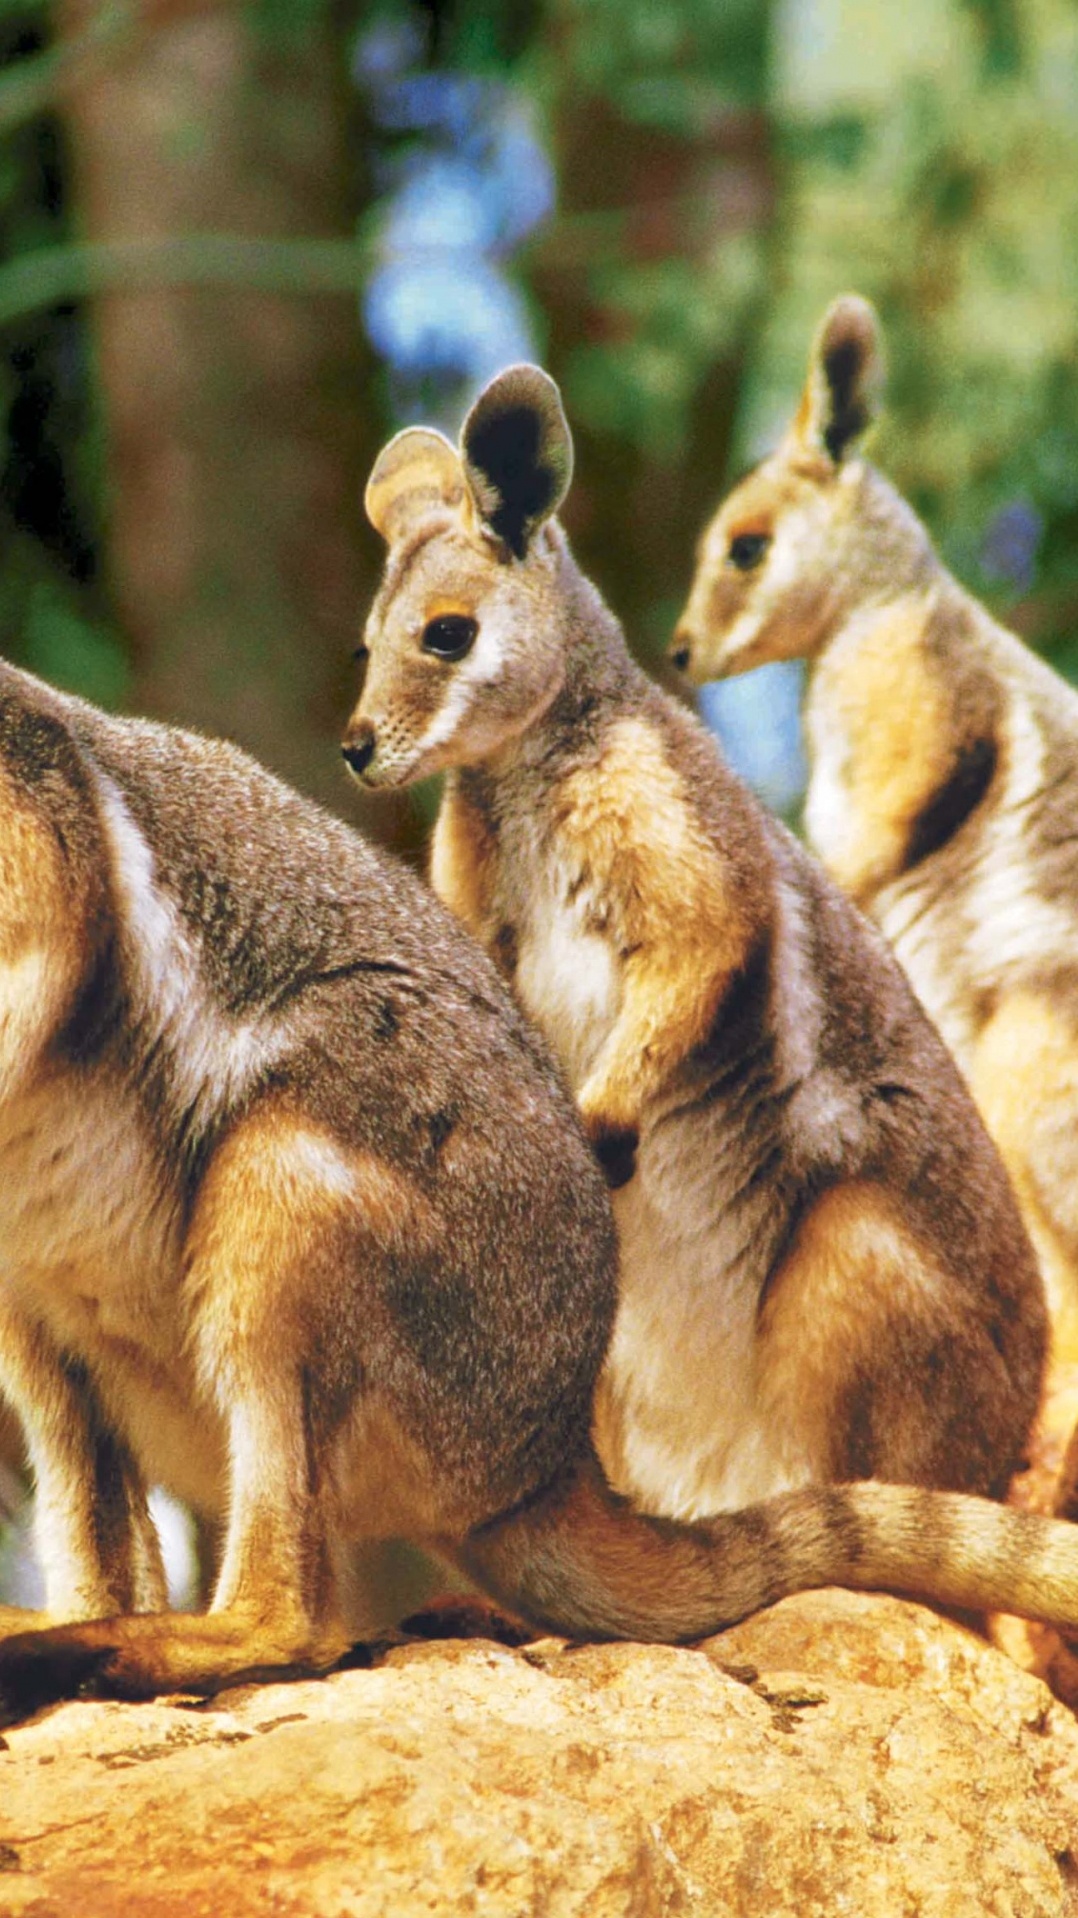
point(838, 1754)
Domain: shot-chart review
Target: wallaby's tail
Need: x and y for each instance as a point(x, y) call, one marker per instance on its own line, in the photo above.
point(581, 1561)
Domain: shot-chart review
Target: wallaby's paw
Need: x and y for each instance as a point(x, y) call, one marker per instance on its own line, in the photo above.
point(466, 1615)
point(149, 1653)
point(615, 1149)
point(39, 1668)
point(611, 1120)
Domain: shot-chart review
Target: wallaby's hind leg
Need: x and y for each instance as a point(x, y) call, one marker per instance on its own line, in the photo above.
point(274, 1610)
point(272, 1230)
point(97, 1543)
point(1024, 1077)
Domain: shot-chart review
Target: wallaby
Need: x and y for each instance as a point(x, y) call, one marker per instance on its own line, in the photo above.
point(298, 1220)
point(823, 1274)
point(944, 765)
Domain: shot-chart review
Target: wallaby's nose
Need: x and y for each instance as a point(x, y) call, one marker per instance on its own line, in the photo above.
point(681, 651)
point(358, 748)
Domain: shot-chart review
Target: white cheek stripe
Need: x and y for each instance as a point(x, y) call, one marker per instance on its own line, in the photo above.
point(795, 534)
point(482, 667)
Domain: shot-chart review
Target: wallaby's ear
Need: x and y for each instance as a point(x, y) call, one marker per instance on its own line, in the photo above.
point(517, 453)
point(419, 469)
point(845, 379)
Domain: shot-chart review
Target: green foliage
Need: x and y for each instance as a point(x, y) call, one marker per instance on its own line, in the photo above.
point(52, 611)
point(652, 112)
point(671, 66)
point(290, 19)
point(58, 639)
point(670, 320)
point(941, 179)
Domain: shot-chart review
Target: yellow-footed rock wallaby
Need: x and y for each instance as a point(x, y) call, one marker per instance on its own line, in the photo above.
point(823, 1273)
point(943, 792)
point(296, 1218)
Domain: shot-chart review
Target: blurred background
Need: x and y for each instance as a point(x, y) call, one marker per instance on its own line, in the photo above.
point(242, 241)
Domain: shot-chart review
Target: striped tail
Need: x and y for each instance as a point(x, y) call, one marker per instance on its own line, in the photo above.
point(581, 1562)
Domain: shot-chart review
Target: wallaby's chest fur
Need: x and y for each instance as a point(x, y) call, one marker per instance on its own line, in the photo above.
point(700, 1216)
point(59, 1150)
point(91, 1239)
point(91, 1250)
point(550, 929)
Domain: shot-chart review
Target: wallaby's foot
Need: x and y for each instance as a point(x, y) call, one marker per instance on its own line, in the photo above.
point(151, 1653)
point(41, 1667)
point(466, 1615)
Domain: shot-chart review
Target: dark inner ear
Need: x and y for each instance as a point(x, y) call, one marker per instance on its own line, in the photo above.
point(843, 369)
point(505, 449)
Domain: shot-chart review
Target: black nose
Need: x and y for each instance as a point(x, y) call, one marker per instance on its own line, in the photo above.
point(681, 654)
point(358, 749)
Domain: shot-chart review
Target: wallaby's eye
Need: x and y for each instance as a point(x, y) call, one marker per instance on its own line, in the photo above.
point(747, 550)
point(450, 636)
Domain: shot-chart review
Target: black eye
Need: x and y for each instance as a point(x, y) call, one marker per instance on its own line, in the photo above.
point(450, 636)
point(747, 550)
point(362, 659)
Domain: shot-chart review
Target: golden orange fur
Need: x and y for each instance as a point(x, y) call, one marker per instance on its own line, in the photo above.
point(671, 910)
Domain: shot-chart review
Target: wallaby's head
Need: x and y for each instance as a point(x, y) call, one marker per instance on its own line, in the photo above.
point(463, 646)
point(773, 567)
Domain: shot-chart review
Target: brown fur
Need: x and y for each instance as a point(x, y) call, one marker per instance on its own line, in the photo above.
point(626, 823)
point(12, 1465)
point(863, 1274)
point(256, 1093)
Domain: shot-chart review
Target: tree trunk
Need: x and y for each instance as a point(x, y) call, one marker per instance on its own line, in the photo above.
point(659, 201)
point(237, 425)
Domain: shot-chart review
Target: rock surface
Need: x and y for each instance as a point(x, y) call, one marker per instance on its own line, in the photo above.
point(838, 1754)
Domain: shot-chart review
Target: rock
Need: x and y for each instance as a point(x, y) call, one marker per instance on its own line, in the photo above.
point(837, 1754)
